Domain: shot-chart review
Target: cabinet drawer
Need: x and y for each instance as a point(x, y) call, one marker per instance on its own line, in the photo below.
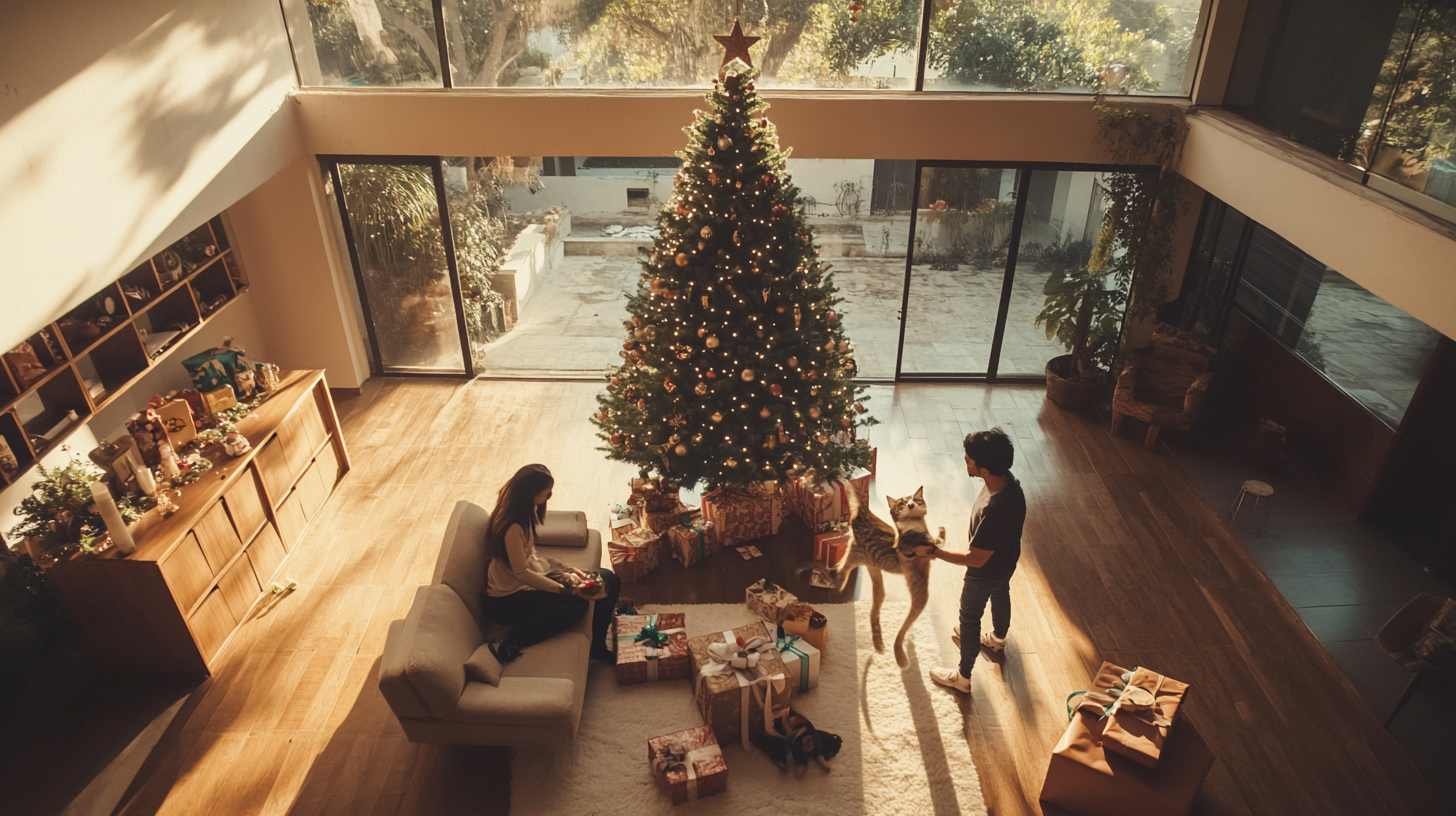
point(273, 467)
point(211, 624)
point(311, 491)
point(290, 520)
point(219, 540)
point(245, 505)
point(266, 553)
point(328, 467)
point(294, 436)
point(239, 588)
point(313, 424)
point(186, 571)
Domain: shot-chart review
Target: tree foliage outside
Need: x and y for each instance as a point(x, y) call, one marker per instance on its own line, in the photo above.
point(1019, 45)
point(396, 223)
point(1418, 81)
point(736, 368)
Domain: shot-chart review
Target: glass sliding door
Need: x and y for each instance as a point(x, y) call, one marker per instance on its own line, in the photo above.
point(406, 276)
point(957, 269)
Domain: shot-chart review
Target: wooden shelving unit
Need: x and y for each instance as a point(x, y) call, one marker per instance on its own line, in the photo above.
point(98, 349)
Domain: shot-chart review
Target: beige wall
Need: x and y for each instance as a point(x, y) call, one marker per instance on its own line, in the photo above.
point(284, 235)
point(122, 126)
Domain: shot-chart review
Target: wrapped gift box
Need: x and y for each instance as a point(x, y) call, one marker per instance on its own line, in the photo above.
point(150, 434)
point(808, 623)
point(692, 540)
point(768, 600)
point(801, 658)
point(622, 519)
point(859, 482)
point(216, 367)
point(652, 648)
point(740, 688)
point(830, 545)
point(1140, 709)
point(816, 503)
point(220, 400)
point(176, 416)
point(743, 516)
point(637, 554)
point(1086, 780)
point(660, 521)
point(689, 764)
point(874, 461)
point(653, 494)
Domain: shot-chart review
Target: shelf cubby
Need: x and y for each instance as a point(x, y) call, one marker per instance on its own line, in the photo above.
point(167, 321)
point(94, 319)
point(213, 287)
point(45, 411)
point(140, 287)
point(14, 436)
point(31, 361)
point(8, 389)
point(115, 361)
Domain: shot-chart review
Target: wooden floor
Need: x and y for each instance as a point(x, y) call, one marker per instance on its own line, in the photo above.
point(1124, 561)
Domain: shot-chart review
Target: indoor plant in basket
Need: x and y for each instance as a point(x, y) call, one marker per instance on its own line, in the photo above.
point(1082, 313)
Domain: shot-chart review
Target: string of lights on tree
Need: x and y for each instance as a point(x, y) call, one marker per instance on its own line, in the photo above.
point(736, 368)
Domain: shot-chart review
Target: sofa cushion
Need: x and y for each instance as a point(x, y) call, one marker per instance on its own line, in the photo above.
point(541, 701)
point(439, 635)
point(483, 667)
point(393, 684)
point(464, 556)
point(562, 528)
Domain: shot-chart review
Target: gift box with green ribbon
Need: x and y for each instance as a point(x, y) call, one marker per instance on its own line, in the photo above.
point(652, 648)
point(660, 521)
point(692, 540)
point(801, 658)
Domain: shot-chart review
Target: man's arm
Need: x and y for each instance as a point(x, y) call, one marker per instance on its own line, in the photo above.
point(974, 558)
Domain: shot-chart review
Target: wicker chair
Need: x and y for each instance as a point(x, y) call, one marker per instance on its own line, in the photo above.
point(1163, 384)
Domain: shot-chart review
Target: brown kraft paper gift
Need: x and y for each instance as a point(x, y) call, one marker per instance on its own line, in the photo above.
point(739, 689)
point(1138, 722)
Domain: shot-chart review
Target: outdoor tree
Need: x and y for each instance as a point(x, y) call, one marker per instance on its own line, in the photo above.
point(736, 367)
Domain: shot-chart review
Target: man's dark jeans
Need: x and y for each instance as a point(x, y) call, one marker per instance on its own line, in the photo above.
point(974, 595)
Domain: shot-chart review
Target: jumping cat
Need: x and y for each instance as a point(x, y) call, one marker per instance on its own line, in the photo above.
point(881, 548)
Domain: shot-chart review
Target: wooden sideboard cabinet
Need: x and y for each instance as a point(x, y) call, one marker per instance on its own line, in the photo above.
point(173, 604)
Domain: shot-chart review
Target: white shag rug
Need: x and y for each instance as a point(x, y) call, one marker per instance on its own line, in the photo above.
point(904, 754)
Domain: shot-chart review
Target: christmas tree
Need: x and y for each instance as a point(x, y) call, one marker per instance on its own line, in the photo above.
point(736, 366)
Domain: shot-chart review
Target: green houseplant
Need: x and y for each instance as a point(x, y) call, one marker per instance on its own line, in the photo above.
point(61, 514)
point(1080, 312)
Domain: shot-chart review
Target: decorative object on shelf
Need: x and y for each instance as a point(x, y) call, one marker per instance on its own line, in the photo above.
point(267, 376)
point(111, 517)
point(8, 462)
point(688, 765)
point(219, 400)
point(193, 466)
point(150, 434)
point(61, 511)
point(54, 432)
point(25, 364)
point(167, 458)
point(245, 383)
point(133, 292)
point(235, 444)
point(216, 367)
point(121, 463)
point(176, 417)
point(165, 504)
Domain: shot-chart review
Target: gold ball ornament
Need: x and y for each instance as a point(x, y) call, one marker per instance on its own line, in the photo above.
point(717, 416)
point(724, 142)
point(712, 341)
point(681, 259)
point(700, 389)
point(681, 450)
point(765, 413)
point(747, 375)
point(641, 405)
point(706, 232)
point(731, 462)
point(793, 362)
point(814, 411)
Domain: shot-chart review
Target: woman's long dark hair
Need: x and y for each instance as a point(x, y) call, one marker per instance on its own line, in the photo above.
point(516, 502)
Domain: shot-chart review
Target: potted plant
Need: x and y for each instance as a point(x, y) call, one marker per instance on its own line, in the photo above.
point(60, 515)
point(1081, 312)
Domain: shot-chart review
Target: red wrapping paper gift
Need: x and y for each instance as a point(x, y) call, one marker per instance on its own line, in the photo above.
point(742, 516)
point(652, 647)
point(830, 546)
point(688, 765)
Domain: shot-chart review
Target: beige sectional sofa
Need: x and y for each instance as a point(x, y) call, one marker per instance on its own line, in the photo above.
point(422, 673)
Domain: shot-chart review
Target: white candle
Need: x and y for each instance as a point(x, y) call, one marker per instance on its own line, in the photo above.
point(145, 481)
point(169, 463)
point(115, 525)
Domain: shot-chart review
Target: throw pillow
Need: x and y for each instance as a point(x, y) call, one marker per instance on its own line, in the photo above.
point(483, 667)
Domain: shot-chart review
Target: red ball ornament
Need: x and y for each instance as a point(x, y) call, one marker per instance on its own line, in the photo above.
point(681, 259)
point(615, 381)
point(712, 375)
point(627, 346)
point(616, 439)
point(776, 389)
point(641, 404)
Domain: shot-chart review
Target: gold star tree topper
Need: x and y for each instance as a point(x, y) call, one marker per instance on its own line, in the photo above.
point(736, 45)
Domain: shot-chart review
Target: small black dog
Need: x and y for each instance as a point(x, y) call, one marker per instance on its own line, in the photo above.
point(801, 742)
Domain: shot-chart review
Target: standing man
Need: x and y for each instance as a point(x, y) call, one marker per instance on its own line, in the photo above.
point(995, 546)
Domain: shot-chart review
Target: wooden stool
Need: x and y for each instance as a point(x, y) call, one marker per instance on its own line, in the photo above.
point(1263, 497)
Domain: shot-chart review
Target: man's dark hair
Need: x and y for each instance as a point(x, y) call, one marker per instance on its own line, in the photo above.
point(991, 450)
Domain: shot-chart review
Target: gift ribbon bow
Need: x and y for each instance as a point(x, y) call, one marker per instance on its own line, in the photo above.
point(786, 643)
point(653, 638)
point(675, 757)
point(686, 520)
point(1133, 700)
point(741, 661)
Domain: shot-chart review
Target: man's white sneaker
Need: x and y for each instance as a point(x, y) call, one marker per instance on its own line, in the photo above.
point(951, 678)
point(992, 643)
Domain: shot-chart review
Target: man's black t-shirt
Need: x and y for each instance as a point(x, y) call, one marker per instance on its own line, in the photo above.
point(996, 522)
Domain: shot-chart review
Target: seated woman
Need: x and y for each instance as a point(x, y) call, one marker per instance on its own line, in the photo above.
point(521, 591)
